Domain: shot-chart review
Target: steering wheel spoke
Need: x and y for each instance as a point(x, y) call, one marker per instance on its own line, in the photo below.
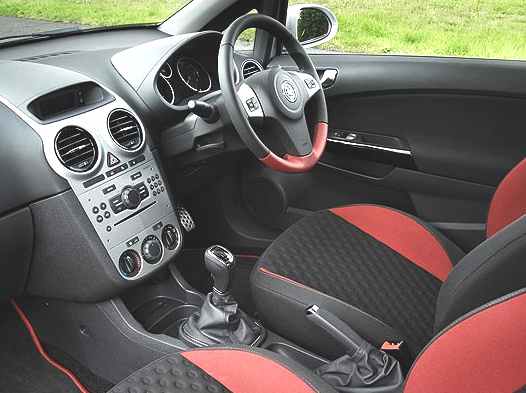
point(294, 136)
point(250, 101)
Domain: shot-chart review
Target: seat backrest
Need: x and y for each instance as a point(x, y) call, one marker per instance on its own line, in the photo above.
point(498, 265)
point(494, 268)
point(482, 352)
point(509, 201)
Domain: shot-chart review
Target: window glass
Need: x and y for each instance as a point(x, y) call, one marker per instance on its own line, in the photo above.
point(245, 42)
point(29, 17)
point(463, 28)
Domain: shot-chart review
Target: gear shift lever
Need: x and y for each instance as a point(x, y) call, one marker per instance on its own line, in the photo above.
point(220, 321)
point(220, 262)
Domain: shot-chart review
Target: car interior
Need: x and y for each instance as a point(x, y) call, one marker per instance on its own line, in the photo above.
point(180, 213)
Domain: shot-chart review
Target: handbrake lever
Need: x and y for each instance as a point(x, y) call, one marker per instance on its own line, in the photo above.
point(338, 329)
point(363, 366)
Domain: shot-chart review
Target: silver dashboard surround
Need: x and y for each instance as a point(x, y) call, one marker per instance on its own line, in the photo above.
point(126, 225)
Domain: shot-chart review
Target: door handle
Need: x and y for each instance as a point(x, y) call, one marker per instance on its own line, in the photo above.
point(369, 141)
point(328, 77)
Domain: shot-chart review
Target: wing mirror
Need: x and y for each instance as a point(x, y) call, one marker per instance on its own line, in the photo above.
point(311, 24)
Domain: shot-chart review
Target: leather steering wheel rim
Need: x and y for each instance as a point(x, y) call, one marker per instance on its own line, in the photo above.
point(288, 93)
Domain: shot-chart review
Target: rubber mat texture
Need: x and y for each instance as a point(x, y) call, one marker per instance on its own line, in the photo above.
point(22, 368)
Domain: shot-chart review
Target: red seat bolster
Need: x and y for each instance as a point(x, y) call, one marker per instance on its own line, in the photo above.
point(484, 353)
point(253, 373)
point(401, 233)
point(509, 201)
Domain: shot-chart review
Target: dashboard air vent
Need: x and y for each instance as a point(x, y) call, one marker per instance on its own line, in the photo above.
point(76, 149)
point(250, 67)
point(125, 129)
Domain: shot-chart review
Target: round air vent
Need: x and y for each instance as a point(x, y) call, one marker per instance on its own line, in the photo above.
point(76, 149)
point(250, 67)
point(125, 129)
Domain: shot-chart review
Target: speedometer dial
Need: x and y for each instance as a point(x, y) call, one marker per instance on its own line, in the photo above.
point(194, 75)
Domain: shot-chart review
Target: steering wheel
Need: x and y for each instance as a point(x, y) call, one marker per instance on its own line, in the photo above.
point(276, 96)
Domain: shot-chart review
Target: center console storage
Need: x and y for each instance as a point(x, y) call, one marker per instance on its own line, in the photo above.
point(163, 307)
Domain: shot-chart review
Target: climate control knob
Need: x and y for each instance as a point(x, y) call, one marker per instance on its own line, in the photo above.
point(129, 263)
point(170, 237)
point(152, 249)
point(131, 197)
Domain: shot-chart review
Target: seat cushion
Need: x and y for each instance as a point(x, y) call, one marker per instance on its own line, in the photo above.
point(385, 263)
point(222, 370)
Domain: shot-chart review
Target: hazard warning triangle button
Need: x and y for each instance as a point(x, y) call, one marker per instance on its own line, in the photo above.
point(112, 160)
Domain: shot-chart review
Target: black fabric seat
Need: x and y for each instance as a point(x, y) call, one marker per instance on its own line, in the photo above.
point(223, 370)
point(455, 360)
point(389, 275)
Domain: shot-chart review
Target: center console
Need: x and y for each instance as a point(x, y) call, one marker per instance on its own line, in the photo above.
point(133, 216)
point(98, 144)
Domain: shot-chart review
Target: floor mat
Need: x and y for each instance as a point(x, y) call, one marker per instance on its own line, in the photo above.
point(22, 367)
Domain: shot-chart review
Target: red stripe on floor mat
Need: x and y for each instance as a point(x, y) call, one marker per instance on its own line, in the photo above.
point(42, 351)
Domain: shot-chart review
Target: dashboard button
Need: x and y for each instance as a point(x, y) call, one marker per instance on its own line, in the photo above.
point(103, 206)
point(112, 160)
point(95, 210)
point(100, 219)
point(131, 242)
point(136, 175)
point(116, 170)
point(107, 215)
point(137, 159)
point(109, 189)
point(92, 182)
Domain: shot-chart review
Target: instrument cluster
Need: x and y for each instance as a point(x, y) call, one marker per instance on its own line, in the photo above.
point(184, 77)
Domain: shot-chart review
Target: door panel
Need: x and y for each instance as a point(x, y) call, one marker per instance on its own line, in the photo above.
point(457, 122)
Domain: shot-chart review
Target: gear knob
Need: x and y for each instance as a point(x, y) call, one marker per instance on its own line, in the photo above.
point(219, 262)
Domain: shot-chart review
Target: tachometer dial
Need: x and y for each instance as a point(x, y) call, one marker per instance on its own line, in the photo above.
point(194, 75)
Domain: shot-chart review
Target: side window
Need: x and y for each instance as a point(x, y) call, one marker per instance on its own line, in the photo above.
point(246, 40)
point(470, 28)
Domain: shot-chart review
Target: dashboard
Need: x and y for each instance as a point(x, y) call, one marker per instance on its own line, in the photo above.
point(87, 125)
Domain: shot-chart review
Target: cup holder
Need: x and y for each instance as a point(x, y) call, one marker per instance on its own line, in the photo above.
point(164, 315)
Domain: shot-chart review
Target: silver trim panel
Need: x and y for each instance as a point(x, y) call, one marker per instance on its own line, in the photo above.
point(368, 146)
point(139, 226)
